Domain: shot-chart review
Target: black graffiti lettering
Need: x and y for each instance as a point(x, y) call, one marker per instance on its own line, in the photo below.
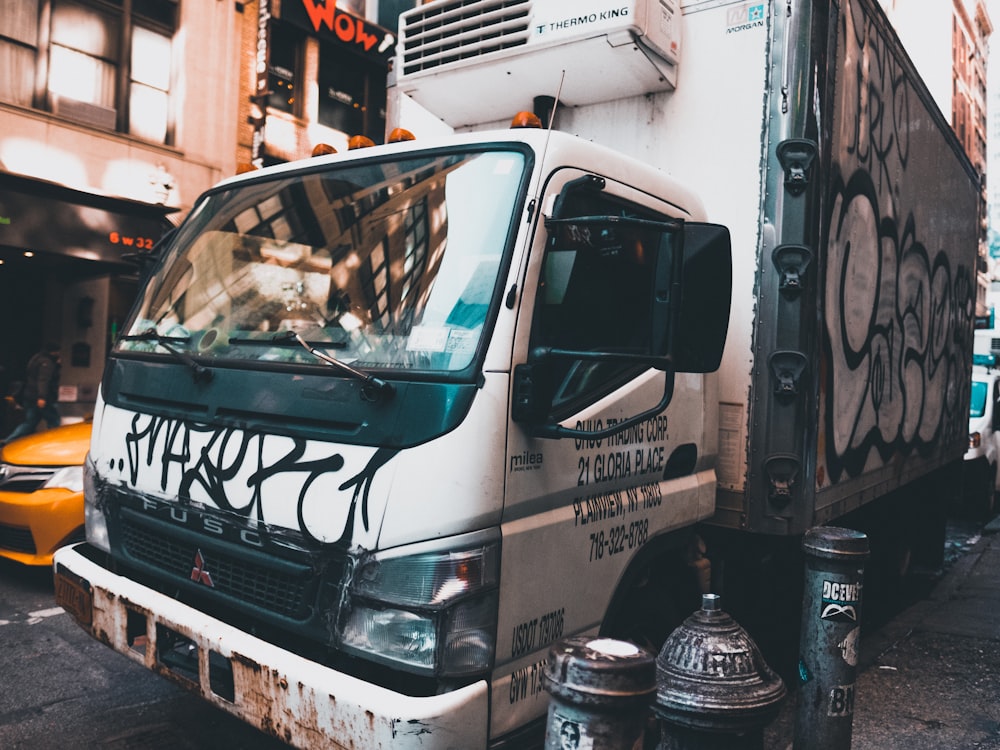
point(898, 309)
point(231, 461)
point(362, 483)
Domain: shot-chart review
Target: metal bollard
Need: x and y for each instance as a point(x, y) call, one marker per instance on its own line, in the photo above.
point(600, 690)
point(829, 638)
point(714, 691)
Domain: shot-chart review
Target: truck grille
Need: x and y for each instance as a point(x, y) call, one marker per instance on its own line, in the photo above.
point(17, 539)
point(256, 585)
point(441, 33)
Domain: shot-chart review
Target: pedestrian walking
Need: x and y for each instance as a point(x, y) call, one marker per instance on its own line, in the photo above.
point(41, 391)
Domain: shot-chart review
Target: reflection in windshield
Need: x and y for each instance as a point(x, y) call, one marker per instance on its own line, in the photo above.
point(393, 265)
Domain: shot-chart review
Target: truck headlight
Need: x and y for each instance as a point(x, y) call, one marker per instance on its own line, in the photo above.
point(93, 517)
point(433, 613)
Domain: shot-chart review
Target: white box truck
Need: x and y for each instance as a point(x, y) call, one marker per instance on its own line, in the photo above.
point(384, 426)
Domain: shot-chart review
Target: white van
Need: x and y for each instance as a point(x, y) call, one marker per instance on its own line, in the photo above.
point(980, 480)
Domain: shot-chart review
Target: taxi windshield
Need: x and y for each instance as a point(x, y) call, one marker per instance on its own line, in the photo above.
point(379, 264)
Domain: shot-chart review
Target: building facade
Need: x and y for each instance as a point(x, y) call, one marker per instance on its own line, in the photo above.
point(311, 73)
point(114, 116)
point(993, 142)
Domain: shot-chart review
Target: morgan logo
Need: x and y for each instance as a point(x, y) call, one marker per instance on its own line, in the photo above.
point(198, 572)
point(743, 17)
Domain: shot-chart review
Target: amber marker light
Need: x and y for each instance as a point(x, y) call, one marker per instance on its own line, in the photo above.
point(526, 120)
point(359, 141)
point(401, 134)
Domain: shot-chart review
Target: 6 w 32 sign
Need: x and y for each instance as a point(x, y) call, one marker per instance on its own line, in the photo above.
point(139, 243)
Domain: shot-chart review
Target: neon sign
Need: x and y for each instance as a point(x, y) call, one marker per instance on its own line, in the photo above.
point(140, 243)
point(348, 28)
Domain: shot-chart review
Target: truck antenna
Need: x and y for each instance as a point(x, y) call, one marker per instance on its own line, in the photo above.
point(536, 201)
point(548, 131)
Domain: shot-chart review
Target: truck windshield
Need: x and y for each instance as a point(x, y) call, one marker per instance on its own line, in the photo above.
point(379, 264)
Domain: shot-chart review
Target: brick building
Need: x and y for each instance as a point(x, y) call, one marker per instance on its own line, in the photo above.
point(313, 73)
point(114, 116)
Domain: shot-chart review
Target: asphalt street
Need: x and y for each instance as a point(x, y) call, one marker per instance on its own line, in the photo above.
point(59, 688)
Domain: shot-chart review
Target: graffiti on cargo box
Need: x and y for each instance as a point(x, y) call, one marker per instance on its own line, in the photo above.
point(256, 476)
point(899, 290)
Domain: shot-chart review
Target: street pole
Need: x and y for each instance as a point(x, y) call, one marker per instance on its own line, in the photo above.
point(829, 637)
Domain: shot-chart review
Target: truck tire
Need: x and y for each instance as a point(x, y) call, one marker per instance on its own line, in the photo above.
point(655, 597)
point(979, 491)
point(984, 506)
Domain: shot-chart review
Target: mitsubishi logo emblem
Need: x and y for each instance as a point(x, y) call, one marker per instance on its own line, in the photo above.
point(198, 572)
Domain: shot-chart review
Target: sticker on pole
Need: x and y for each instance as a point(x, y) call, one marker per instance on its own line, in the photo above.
point(840, 601)
point(849, 647)
point(572, 735)
point(841, 701)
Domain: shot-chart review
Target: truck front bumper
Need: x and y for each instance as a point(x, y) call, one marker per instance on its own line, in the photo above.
point(298, 701)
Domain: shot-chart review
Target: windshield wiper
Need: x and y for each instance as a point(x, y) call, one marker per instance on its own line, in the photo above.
point(200, 371)
point(283, 339)
point(379, 386)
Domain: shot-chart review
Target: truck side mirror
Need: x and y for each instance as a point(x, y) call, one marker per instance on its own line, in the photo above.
point(702, 313)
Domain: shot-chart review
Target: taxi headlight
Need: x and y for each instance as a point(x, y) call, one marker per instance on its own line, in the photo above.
point(67, 478)
point(93, 517)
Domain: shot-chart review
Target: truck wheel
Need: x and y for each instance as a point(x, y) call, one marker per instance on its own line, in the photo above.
point(658, 598)
point(985, 502)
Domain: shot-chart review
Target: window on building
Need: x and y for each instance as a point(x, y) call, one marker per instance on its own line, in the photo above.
point(284, 70)
point(351, 94)
point(105, 65)
point(149, 95)
point(18, 38)
point(83, 62)
point(357, 7)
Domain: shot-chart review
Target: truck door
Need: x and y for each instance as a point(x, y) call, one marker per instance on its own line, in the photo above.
point(577, 510)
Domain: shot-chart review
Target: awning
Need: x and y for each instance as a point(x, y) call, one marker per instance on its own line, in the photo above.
point(47, 217)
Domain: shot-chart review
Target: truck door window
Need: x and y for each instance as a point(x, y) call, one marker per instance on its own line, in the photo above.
point(594, 299)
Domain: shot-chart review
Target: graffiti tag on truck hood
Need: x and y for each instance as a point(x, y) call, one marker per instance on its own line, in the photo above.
point(321, 489)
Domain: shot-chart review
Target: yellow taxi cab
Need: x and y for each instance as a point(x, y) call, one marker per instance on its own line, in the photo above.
point(41, 493)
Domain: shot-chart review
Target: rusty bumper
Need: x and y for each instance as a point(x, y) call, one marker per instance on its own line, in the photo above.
point(296, 700)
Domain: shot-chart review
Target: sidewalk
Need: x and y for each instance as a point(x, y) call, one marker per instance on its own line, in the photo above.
point(930, 678)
